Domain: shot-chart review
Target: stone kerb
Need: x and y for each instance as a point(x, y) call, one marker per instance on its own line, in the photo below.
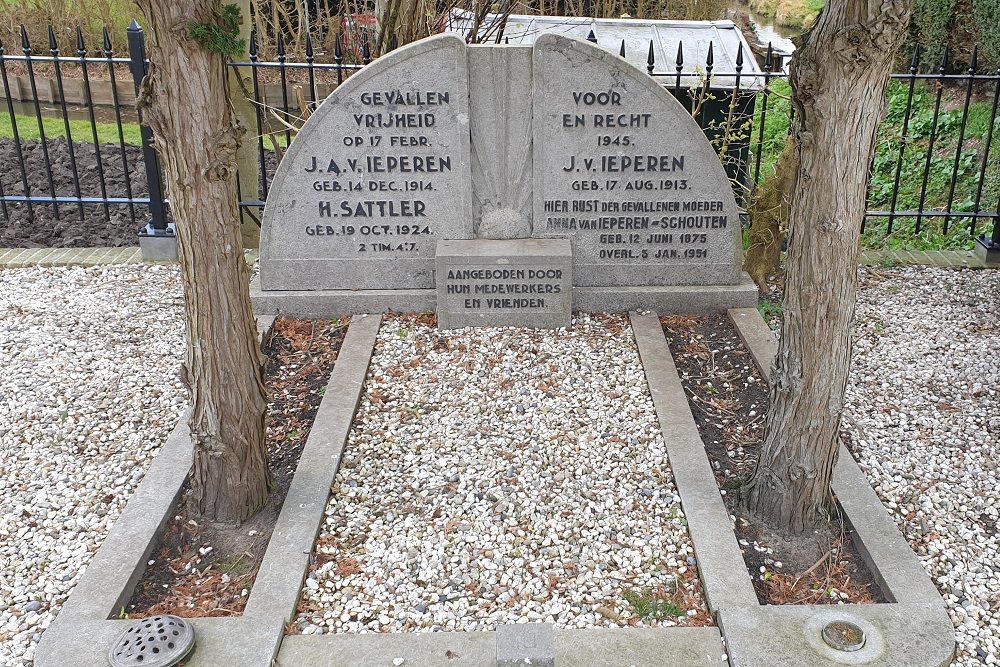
point(624, 171)
point(375, 177)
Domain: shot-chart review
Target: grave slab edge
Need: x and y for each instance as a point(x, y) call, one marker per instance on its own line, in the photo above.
point(81, 634)
point(897, 569)
point(276, 590)
point(422, 649)
point(922, 632)
point(723, 573)
point(588, 647)
point(645, 647)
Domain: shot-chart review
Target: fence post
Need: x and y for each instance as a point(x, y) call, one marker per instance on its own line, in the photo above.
point(988, 245)
point(156, 239)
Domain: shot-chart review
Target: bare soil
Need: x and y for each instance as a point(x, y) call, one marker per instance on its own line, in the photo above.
point(46, 227)
point(729, 400)
point(204, 569)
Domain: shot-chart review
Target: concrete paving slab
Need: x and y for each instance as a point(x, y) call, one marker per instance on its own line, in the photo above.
point(520, 644)
point(276, 590)
point(897, 635)
point(640, 647)
point(218, 642)
point(417, 649)
point(83, 643)
point(235, 641)
point(723, 572)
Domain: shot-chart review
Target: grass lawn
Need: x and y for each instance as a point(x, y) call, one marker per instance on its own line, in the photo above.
point(107, 133)
point(914, 162)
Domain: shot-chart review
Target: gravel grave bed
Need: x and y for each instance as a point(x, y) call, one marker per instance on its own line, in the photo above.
point(502, 475)
point(89, 390)
point(923, 417)
point(729, 401)
point(204, 569)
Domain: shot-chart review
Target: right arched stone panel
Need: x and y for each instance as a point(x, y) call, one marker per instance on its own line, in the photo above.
point(623, 171)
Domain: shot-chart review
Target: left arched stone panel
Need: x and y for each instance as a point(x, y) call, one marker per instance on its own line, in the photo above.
point(377, 175)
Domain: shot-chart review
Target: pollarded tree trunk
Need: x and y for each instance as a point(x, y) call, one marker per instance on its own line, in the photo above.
point(839, 77)
point(186, 105)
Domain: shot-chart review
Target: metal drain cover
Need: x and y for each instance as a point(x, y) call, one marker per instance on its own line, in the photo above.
point(157, 641)
point(844, 636)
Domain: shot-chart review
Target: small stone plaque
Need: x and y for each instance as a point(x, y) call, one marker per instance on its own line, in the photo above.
point(517, 283)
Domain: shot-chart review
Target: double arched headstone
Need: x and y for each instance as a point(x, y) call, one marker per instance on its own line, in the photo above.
point(440, 141)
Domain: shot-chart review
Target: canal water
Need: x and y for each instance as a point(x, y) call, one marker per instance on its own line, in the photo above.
point(780, 36)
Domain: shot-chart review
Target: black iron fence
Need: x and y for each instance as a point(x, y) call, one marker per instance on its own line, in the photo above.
point(936, 169)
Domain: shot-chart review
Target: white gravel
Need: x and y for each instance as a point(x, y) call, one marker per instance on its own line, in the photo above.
point(89, 389)
point(500, 475)
point(924, 415)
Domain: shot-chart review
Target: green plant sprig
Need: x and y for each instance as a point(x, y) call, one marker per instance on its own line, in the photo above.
point(222, 37)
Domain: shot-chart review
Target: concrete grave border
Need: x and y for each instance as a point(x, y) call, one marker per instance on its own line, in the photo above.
point(912, 629)
point(85, 629)
point(81, 633)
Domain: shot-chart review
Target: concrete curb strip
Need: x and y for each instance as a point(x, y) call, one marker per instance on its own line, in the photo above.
point(525, 644)
point(82, 634)
point(639, 647)
point(276, 590)
point(915, 627)
point(417, 649)
point(723, 572)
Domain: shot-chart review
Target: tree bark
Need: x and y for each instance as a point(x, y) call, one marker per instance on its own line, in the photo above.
point(184, 101)
point(839, 77)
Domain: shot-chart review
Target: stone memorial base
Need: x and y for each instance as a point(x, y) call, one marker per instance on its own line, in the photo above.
point(515, 283)
point(664, 299)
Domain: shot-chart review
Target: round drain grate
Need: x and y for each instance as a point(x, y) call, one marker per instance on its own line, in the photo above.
point(158, 641)
point(844, 636)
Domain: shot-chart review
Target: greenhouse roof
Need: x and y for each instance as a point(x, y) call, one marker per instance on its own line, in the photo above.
point(694, 38)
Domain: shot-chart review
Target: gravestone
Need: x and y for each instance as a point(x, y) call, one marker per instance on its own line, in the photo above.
point(624, 171)
point(511, 150)
point(376, 176)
